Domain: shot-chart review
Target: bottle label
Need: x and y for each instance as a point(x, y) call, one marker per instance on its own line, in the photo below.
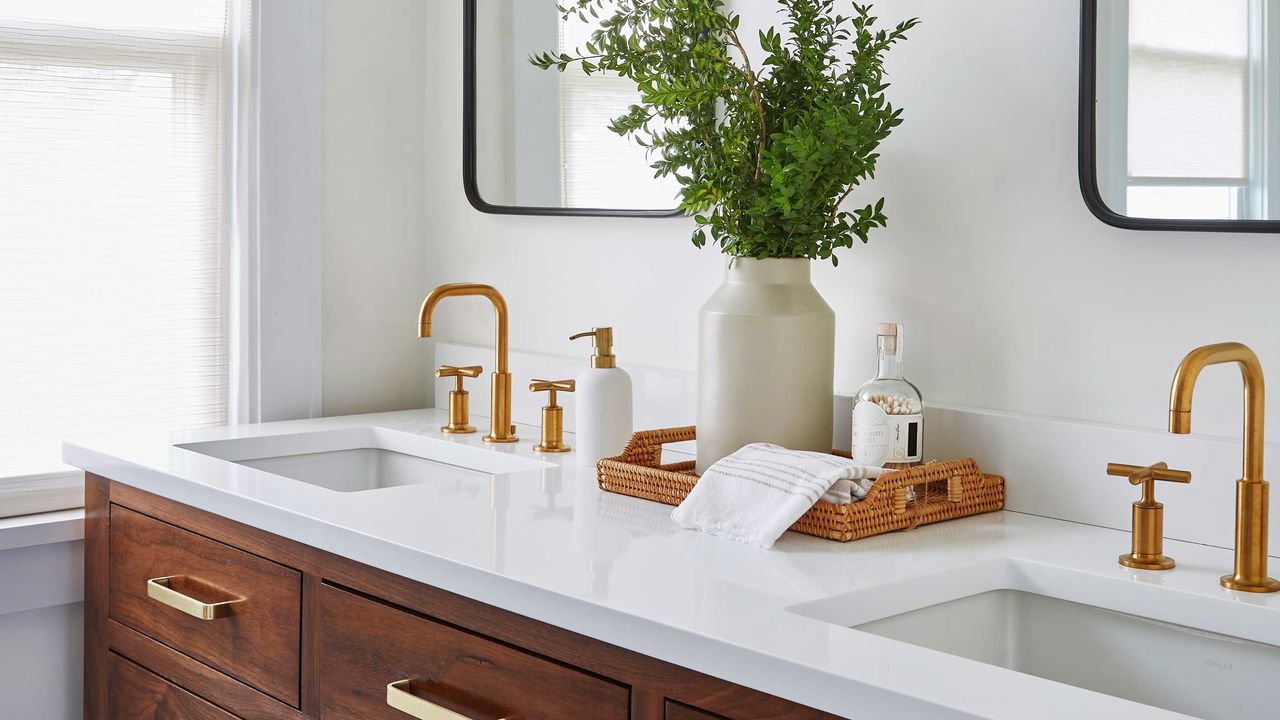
point(880, 438)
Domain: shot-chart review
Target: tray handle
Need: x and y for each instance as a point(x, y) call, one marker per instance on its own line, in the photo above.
point(645, 447)
point(955, 489)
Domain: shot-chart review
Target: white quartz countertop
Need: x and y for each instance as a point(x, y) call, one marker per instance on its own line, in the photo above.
point(548, 544)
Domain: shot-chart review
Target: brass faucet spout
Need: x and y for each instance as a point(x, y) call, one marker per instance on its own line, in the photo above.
point(1179, 422)
point(1184, 383)
point(464, 289)
point(500, 427)
point(1250, 574)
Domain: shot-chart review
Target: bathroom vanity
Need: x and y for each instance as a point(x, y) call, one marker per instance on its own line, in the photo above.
point(307, 633)
point(371, 567)
point(192, 615)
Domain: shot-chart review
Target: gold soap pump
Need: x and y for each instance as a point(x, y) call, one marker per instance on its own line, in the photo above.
point(602, 346)
point(603, 405)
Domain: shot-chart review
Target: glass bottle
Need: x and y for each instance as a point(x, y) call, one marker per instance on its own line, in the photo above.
point(888, 413)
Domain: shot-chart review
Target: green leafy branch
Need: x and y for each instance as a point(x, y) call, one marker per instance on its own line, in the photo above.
point(764, 158)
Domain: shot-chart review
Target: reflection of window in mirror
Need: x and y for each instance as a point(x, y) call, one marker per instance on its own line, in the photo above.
point(542, 137)
point(598, 166)
point(1182, 101)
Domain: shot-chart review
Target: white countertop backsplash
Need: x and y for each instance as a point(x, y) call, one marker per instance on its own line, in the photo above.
point(1055, 467)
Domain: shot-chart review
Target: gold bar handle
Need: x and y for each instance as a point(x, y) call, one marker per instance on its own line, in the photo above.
point(160, 589)
point(399, 697)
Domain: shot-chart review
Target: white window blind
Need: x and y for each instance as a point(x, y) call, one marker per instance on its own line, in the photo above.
point(597, 165)
point(1189, 89)
point(113, 253)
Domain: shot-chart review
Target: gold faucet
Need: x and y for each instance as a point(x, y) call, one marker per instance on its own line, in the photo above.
point(459, 398)
point(552, 415)
point(1148, 515)
point(500, 428)
point(1250, 573)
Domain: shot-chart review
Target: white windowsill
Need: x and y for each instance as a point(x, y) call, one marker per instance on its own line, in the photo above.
point(41, 560)
point(35, 493)
point(41, 529)
point(41, 509)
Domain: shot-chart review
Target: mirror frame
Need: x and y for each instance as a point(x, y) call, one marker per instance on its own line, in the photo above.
point(469, 180)
point(1088, 151)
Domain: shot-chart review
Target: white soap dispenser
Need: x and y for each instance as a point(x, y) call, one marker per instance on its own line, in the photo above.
point(603, 402)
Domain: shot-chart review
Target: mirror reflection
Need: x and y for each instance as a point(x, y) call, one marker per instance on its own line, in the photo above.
point(1188, 108)
point(542, 137)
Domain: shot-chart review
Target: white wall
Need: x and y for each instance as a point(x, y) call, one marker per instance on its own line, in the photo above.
point(517, 105)
point(374, 205)
point(1014, 296)
point(41, 618)
point(282, 294)
point(535, 128)
point(44, 680)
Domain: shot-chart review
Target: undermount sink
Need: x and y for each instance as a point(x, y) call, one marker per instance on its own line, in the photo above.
point(363, 458)
point(1173, 650)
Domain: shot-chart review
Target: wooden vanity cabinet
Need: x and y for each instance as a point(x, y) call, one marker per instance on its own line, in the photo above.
point(294, 633)
point(138, 693)
point(677, 711)
point(366, 645)
point(258, 644)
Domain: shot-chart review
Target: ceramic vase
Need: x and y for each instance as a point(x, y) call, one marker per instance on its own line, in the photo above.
point(766, 357)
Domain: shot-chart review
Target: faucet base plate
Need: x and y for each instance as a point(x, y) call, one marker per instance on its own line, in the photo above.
point(492, 439)
point(1147, 562)
point(1269, 585)
point(457, 429)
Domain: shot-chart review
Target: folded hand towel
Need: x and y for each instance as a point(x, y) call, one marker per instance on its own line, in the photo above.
point(756, 493)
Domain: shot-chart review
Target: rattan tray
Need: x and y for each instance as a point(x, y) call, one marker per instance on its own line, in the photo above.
point(944, 490)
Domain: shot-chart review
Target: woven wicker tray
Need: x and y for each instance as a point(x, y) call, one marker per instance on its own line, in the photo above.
point(944, 491)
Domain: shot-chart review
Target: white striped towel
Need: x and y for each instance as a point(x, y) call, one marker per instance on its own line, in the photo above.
point(756, 493)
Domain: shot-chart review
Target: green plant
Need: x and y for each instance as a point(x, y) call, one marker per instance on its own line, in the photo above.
point(764, 157)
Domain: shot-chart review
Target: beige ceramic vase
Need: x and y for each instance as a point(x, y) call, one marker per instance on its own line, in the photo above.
point(766, 357)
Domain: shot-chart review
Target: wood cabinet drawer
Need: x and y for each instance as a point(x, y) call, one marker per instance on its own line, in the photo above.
point(366, 645)
point(677, 711)
point(137, 694)
point(254, 634)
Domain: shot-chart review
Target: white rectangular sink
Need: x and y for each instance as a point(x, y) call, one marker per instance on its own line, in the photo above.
point(364, 458)
point(1191, 654)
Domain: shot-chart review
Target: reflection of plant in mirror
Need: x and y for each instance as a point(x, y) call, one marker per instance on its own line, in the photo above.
point(764, 157)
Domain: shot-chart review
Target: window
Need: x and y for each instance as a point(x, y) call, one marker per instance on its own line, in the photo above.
point(597, 165)
point(1190, 139)
point(1188, 107)
point(113, 218)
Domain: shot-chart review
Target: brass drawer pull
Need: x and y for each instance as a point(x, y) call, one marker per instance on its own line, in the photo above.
point(160, 589)
point(399, 697)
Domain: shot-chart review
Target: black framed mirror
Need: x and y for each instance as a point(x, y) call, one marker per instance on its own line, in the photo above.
point(1180, 114)
point(536, 142)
